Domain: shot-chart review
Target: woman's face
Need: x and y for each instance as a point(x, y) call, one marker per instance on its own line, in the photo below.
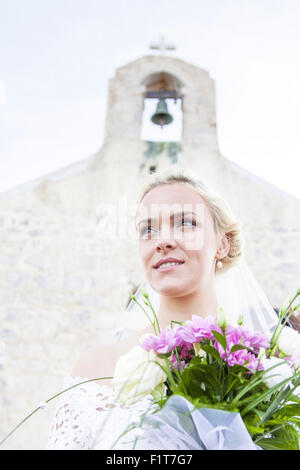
point(174, 223)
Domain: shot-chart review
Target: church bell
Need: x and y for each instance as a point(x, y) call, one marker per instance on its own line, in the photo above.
point(161, 117)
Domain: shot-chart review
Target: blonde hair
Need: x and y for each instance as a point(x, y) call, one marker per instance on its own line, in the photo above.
point(225, 222)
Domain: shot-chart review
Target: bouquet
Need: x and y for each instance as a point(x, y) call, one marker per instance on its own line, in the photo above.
point(216, 385)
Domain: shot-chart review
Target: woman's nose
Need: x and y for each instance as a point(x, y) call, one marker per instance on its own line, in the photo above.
point(165, 245)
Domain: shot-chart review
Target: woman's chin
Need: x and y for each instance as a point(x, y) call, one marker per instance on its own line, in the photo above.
point(170, 289)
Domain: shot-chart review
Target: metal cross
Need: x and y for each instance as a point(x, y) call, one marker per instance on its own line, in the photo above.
point(162, 46)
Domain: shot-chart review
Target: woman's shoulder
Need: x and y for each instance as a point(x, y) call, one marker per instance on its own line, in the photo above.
point(95, 362)
point(100, 361)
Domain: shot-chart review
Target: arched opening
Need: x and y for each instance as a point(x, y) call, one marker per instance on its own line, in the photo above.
point(164, 88)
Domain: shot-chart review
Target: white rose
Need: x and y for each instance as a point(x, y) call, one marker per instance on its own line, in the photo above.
point(136, 376)
point(289, 342)
point(278, 374)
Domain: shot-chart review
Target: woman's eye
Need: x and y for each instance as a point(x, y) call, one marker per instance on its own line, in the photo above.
point(151, 230)
point(146, 230)
point(189, 222)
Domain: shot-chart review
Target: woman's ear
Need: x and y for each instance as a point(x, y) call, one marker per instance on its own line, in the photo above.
point(224, 245)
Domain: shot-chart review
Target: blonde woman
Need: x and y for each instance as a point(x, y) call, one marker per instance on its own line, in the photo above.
point(191, 248)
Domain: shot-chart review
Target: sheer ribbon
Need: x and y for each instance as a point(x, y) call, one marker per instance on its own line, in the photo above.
point(178, 426)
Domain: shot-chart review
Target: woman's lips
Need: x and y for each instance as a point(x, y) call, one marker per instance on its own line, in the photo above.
point(168, 268)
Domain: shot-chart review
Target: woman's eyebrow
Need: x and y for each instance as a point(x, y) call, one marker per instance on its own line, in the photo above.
point(176, 214)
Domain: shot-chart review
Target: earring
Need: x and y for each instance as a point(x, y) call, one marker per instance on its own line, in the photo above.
point(219, 264)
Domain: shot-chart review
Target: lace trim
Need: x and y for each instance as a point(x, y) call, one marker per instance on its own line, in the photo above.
point(90, 416)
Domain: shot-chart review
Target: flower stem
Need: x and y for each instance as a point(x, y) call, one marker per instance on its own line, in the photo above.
point(152, 309)
point(47, 401)
point(152, 323)
point(280, 326)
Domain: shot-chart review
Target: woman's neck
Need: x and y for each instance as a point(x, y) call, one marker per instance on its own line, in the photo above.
point(180, 309)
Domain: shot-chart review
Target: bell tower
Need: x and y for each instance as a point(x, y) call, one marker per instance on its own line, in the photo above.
point(161, 76)
point(166, 81)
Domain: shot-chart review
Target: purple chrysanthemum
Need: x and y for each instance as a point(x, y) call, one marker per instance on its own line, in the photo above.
point(255, 341)
point(164, 343)
point(199, 329)
point(243, 357)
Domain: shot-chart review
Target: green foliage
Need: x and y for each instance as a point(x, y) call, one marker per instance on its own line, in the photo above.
point(271, 416)
point(155, 149)
point(220, 338)
point(285, 437)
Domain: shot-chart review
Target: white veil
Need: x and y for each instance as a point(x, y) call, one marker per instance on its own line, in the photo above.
point(237, 291)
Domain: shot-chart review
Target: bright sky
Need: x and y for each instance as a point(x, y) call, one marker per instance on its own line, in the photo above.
point(56, 57)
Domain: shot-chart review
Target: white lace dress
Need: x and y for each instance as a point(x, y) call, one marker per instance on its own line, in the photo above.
point(90, 417)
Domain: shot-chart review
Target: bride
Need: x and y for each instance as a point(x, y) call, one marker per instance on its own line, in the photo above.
point(190, 244)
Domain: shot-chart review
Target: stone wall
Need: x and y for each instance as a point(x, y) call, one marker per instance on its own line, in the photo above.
point(59, 295)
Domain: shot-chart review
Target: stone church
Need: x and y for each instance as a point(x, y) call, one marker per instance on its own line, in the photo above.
point(63, 286)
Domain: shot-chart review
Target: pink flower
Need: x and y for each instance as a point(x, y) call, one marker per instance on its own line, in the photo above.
point(199, 329)
point(175, 364)
point(185, 351)
point(164, 343)
point(256, 340)
point(243, 357)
